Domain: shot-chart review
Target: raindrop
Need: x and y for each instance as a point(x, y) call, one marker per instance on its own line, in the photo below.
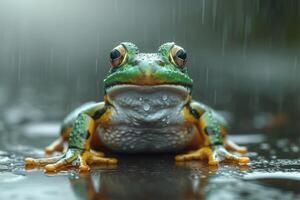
point(164, 97)
point(214, 11)
point(207, 76)
point(224, 38)
point(215, 97)
point(295, 149)
point(203, 11)
point(274, 157)
point(96, 69)
point(19, 66)
point(264, 146)
point(146, 107)
point(195, 176)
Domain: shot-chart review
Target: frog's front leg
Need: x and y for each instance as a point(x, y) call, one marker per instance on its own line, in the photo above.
point(59, 144)
point(213, 145)
point(78, 146)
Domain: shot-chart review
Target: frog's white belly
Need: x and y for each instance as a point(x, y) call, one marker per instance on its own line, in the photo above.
point(147, 119)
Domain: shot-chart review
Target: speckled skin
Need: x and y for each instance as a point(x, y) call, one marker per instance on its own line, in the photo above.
point(147, 119)
point(147, 108)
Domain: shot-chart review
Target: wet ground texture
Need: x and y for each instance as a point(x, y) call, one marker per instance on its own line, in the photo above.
point(274, 172)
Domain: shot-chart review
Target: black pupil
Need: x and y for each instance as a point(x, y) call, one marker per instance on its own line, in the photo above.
point(181, 54)
point(114, 54)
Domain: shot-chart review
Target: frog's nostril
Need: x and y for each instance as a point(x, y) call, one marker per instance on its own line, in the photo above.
point(160, 63)
point(148, 70)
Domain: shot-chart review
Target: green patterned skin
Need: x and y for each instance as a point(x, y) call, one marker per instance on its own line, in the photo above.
point(157, 65)
point(130, 69)
point(212, 129)
point(80, 132)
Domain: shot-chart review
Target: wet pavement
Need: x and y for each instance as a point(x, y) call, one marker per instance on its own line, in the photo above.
point(274, 172)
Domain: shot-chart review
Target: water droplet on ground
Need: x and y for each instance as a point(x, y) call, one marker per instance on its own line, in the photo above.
point(146, 107)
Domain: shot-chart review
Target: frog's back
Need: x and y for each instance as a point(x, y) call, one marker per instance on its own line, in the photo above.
point(147, 119)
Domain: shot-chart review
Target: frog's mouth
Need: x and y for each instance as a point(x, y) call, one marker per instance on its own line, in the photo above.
point(156, 95)
point(172, 87)
point(179, 89)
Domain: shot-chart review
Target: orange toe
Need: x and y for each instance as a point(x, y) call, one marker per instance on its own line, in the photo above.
point(30, 161)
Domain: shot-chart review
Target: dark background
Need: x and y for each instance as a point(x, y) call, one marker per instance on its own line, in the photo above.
point(242, 55)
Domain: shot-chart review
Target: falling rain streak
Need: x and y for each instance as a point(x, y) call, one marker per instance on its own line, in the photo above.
point(243, 57)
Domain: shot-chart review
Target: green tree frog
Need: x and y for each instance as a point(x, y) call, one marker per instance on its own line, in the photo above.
point(147, 108)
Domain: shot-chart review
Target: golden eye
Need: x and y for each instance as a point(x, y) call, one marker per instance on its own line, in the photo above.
point(178, 56)
point(118, 56)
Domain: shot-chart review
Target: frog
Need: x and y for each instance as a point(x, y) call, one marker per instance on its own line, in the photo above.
point(147, 108)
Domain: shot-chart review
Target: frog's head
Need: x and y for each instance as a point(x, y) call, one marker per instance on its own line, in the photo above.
point(166, 67)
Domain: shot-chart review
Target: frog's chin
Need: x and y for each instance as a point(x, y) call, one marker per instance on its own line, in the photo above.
point(148, 89)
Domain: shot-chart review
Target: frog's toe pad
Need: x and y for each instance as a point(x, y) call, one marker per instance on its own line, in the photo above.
point(244, 160)
point(96, 158)
point(30, 162)
point(50, 168)
point(242, 150)
point(213, 157)
point(204, 153)
point(239, 160)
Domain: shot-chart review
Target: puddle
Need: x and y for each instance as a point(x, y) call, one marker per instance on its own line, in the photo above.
point(6, 177)
point(275, 175)
point(246, 190)
point(34, 186)
point(272, 171)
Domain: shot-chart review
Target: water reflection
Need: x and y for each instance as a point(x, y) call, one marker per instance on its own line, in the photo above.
point(162, 180)
point(158, 177)
point(192, 180)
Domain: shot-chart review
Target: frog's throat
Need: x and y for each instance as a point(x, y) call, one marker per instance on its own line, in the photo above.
point(147, 119)
point(156, 91)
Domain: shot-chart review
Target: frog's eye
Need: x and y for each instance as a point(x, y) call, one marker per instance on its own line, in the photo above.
point(118, 56)
point(178, 56)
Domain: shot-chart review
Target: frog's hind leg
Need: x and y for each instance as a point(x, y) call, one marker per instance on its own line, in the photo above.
point(228, 144)
point(60, 144)
point(231, 146)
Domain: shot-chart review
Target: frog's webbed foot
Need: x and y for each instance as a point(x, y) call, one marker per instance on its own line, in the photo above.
point(231, 146)
point(57, 145)
point(73, 157)
point(213, 155)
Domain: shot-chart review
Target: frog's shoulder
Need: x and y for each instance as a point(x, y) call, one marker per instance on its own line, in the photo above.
point(93, 109)
point(200, 108)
